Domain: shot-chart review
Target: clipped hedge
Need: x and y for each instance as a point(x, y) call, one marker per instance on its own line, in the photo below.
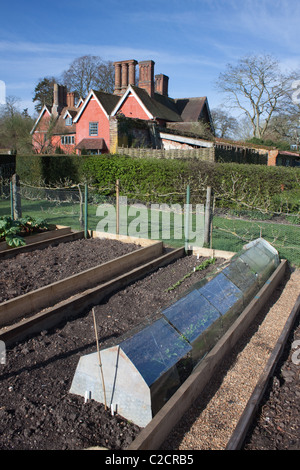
point(49, 169)
point(146, 178)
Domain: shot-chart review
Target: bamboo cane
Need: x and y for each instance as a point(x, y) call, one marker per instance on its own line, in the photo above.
point(99, 358)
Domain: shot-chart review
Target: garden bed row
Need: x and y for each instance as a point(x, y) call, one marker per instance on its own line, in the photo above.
point(37, 411)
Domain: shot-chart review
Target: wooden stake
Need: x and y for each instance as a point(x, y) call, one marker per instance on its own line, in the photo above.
point(99, 357)
point(117, 207)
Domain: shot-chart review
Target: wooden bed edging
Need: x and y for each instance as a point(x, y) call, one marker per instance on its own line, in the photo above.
point(78, 303)
point(14, 309)
point(239, 434)
point(41, 240)
point(155, 433)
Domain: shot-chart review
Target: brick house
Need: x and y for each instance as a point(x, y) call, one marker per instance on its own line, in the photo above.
point(55, 128)
point(91, 124)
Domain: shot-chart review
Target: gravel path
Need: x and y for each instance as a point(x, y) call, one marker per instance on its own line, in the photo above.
point(208, 425)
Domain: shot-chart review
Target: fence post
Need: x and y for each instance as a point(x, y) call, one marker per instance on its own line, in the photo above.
point(16, 197)
point(85, 210)
point(11, 197)
point(187, 219)
point(117, 208)
point(207, 225)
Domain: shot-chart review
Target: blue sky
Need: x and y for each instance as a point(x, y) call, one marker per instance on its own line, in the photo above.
point(191, 41)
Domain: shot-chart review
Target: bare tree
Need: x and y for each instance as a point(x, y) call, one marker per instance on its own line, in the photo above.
point(258, 88)
point(224, 124)
point(284, 127)
point(88, 72)
point(15, 127)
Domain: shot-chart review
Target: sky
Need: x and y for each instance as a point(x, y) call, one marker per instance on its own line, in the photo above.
point(191, 41)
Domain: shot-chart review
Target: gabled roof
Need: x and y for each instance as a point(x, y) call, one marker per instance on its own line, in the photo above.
point(60, 127)
point(191, 109)
point(158, 107)
point(71, 112)
point(80, 102)
point(44, 108)
point(106, 101)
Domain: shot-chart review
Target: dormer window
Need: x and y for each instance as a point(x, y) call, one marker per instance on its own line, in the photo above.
point(69, 121)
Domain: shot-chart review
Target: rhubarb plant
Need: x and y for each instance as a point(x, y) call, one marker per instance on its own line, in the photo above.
point(13, 231)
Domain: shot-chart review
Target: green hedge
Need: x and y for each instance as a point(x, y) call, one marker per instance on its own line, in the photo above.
point(145, 178)
point(49, 169)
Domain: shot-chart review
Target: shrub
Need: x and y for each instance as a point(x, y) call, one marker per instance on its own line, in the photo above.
point(237, 186)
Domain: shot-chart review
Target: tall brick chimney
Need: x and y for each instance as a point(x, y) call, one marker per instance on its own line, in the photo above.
point(70, 100)
point(146, 76)
point(124, 75)
point(59, 98)
point(162, 84)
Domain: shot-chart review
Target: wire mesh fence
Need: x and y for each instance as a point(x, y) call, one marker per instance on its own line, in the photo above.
point(167, 217)
point(231, 229)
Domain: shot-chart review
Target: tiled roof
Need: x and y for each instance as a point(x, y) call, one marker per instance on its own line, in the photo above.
point(190, 109)
point(108, 100)
point(172, 110)
point(160, 107)
point(91, 144)
point(60, 125)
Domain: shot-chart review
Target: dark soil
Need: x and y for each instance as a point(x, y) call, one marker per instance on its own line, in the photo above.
point(277, 424)
point(36, 409)
point(29, 271)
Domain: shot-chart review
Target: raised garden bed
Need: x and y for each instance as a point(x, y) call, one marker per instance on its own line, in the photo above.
point(37, 411)
point(32, 270)
point(34, 241)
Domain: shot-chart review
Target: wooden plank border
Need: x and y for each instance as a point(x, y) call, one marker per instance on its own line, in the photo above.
point(40, 244)
point(238, 436)
point(30, 239)
point(74, 306)
point(16, 308)
point(155, 433)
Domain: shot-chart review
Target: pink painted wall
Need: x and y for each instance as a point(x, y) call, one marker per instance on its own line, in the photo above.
point(132, 109)
point(93, 113)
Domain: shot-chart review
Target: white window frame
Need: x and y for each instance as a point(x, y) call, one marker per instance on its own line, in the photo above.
point(67, 140)
point(93, 128)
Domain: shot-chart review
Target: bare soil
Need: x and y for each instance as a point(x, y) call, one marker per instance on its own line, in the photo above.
point(29, 271)
point(37, 412)
point(277, 423)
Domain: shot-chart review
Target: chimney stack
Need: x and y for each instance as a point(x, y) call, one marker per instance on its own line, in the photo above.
point(59, 98)
point(71, 100)
point(146, 76)
point(162, 84)
point(124, 75)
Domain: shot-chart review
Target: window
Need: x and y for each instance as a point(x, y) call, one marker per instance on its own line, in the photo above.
point(68, 121)
point(67, 140)
point(93, 128)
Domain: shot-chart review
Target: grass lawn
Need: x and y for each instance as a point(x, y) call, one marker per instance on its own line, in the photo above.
point(228, 234)
point(232, 234)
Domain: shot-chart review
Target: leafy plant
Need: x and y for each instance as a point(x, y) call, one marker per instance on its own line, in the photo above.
point(13, 231)
point(200, 267)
